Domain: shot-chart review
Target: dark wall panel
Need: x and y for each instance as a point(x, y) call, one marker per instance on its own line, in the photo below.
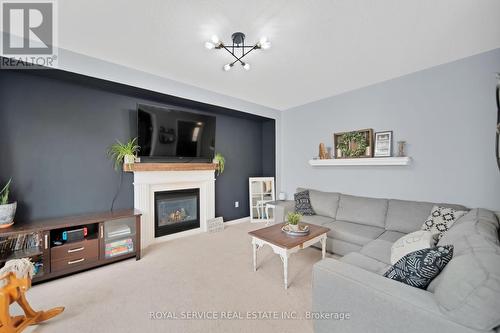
point(54, 134)
point(269, 148)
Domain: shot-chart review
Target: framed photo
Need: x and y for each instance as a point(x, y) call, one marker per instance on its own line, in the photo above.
point(383, 144)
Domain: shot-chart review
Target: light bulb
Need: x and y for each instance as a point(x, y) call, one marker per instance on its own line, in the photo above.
point(215, 39)
point(209, 45)
point(227, 67)
point(265, 45)
point(246, 66)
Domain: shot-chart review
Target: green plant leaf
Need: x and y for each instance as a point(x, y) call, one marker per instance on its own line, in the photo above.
point(4, 193)
point(293, 218)
point(118, 151)
point(345, 141)
point(221, 163)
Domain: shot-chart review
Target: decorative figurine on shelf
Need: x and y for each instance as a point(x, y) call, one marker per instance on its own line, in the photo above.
point(323, 152)
point(401, 148)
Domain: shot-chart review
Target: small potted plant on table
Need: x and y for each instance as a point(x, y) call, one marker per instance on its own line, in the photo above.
point(294, 220)
point(7, 210)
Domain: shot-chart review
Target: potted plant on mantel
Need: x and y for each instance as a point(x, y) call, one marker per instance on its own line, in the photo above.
point(7, 210)
point(221, 163)
point(123, 153)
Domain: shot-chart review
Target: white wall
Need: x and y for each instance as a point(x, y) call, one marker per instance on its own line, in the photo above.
point(447, 114)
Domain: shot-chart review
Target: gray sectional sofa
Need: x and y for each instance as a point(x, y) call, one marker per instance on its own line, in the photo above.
point(465, 297)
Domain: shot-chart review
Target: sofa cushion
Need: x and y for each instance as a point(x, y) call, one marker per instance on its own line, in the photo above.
point(477, 231)
point(362, 261)
point(341, 247)
point(380, 248)
point(359, 234)
point(408, 216)
point(480, 222)
point(467, 244)
point(317, 219)
point(324, 203)
point(391, 236)
point(362, 210)
point(469, 290)
point(420, 267)
point(480, 214)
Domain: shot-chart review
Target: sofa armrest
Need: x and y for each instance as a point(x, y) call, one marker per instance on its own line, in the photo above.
point(374, 303)
point(283, 208)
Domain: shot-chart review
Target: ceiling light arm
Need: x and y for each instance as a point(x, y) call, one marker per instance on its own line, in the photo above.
point(256, 46)
point(238, 39)
point(234, 55)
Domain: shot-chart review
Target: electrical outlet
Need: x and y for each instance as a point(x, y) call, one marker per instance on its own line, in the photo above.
point(236, 204)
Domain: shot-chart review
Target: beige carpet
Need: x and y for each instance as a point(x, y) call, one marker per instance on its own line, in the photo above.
point(205, 272)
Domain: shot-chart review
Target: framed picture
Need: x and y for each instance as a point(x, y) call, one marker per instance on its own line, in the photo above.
point(354, 144)
point(383, 144)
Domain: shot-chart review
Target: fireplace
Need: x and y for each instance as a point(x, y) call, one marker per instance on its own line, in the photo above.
point(176, 211)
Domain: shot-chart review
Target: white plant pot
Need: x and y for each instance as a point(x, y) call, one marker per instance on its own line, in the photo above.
point(7, 213)
point(294, 227)
point(129, 159)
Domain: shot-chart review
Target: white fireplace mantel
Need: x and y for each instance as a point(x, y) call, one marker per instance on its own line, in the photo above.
point(146, 183)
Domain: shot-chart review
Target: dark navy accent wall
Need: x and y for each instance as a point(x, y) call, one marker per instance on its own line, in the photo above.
point(268, 148)
point(55, 127)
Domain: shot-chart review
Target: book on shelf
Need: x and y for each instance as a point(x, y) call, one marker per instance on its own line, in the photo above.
point(119, 247)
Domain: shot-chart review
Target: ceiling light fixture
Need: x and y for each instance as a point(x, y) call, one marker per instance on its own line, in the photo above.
point(238, 39)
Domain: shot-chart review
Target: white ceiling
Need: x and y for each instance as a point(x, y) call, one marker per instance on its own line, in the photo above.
point(319, 48)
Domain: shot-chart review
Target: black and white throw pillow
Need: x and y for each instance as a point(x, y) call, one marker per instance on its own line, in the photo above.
point(441, 220)
point(303, 203)
point(419, 268)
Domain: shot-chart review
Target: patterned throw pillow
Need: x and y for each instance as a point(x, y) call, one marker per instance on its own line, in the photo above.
point(419, 268)
point(414, 241)
point(303, 203)
point(441, 220)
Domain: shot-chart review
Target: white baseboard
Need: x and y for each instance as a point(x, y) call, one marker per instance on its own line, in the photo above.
point(238, 221)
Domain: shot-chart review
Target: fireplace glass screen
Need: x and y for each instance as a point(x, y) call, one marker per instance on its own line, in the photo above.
point(176, 211)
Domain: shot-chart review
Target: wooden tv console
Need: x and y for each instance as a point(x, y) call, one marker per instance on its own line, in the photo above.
point(111, 236)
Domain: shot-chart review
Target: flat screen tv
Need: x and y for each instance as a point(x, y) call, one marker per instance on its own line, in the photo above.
point(169, 134)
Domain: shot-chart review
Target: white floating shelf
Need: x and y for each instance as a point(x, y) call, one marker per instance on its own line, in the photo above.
point(362, 161)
